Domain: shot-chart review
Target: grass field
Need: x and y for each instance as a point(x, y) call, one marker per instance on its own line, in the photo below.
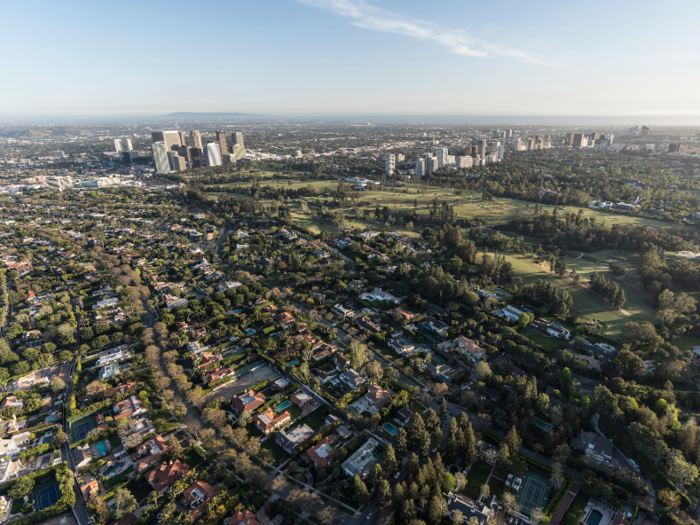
point(590, 305)
point(478, 473)
point(548, 342)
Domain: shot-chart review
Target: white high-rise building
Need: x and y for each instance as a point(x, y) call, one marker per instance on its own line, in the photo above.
point(501, 151)
point(441, 155)
point(160, 157)
point(431, 164)
point(214, 154)
point(118, 145)
point(420, 168)
point(390, 164)
point(516, 144)
point(129, 147)
point(463, 162)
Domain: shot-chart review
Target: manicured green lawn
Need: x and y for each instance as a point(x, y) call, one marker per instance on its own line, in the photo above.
point(316, 418)
point(294, 411)
point(140, 489)
point(478, 473)
point(549, 343)
point(497, 487)
point(17, 505)
point(115, 441)
point(277, 451)
point(193, 457)
point(119, 478)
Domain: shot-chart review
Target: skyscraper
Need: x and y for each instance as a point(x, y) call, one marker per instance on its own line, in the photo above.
point(171, 138)
point(196, 156)
point(431, 164)
point(516, 144)
point(117, 145)
point(482, 148)
point(160, 156)
point(509, 134)
point(579, 140)
point(129, 147)
point(221, 139)
point(238, 146)
point(184, 152)
point(390, 164)
point(420, 167)
point(645, 130)
point(464, 162)
point(501, 151)
point(214, 154)
point(196, 139)
point(441, 154)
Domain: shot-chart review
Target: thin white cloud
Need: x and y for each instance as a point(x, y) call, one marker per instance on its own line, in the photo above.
point(457, 42)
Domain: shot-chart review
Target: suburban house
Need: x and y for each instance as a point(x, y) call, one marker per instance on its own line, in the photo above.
point(291, 439)
point(470, 509)
point(214, 375)
point(361, 462)
point(438, 370)
point(285, 319)
point(322, 454)
point(82, 455)
point(11, 402)
point(88, 485)
point(267, 421)
point(121, 389)
point(207, 358)
point(404, 415)
point(377, 396)
point(302, 399)
point(351, 378)
point(436, 326)
point(509, 312)
point(131, 406)
point(406, 348)
point(558, 331)
point(166, 474)
point(197, 497)
point(469, 347)
point(242, 517)
point(379, 295)
point(248, 401)
point(150, 452)
point(341, 312)
point(594, 446)
point(340, 361)
point(404, 316)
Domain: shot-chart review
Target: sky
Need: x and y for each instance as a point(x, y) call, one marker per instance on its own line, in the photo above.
point(355, 57)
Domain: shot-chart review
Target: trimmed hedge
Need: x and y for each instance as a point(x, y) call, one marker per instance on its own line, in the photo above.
point(36, 451)
point(559, 496)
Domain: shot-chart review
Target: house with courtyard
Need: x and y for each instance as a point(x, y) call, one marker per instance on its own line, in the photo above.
point(471, 509)
point(596, 447)
point(322, 454)
point(167, 473)
point(351, 379)
point(196, 498)
point(131, 406)
point(362, 460)
point(437, 326)
point(149, 452)
point(267, 421)
point(207, 358)
point(242, 517)
point(377, 397)
point(219, 373)
point(248, 401)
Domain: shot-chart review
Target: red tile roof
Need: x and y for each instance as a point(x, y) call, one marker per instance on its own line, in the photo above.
point(267, 421)
point(166, 474)
point(248, 401)
point(243, 517)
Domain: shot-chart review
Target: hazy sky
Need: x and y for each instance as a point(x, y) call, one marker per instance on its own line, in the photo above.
point(628, 57)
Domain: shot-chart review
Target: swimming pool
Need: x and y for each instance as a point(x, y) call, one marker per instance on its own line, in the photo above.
point(52, 418)
point(250, 331)
point(284, 405)
point(438, 361)
point(594, 517)
point(405, 341)
point(292, 363)
point(237, 311)
point(391, 429)
point(544, 426)
point(101, 448)
point(113, 469)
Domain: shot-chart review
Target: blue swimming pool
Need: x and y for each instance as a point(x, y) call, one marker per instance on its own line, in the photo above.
point(250, 331)
point(438, 361)
point(52, 418)
point(113, 469)
point(101, 448)
point(292, 363)
point(405, 341)
point(594, 517)
point(391, 429)
point(237, 311)
point(544, 426)
point(284, 405)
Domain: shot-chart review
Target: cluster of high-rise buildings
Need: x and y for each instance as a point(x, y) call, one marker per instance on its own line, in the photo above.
point(590, 140)
point(172, 153)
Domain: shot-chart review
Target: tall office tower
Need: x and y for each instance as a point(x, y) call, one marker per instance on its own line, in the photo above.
point(610, 138)
point(196, 156)
point(482, 148)
point(463, 162)
point(129, 146)
point(182, 135)
point(645, 130)
point(184, 152)
point(431, 164)
point(496, 133)
point(578, 140)
point(390, 164)
point(196, 139)
point(117, 145)
point(229, 158)
point(530, 144)
point(177, 163)
point(441, 154)
point(569, 140)
point(516, 144)
point(160, 156)
point(674, 148)
point(238, 146)
point(214, 154)
point(420, 168)
point(509, 133)
point(593, 137)
point(538, 139)
point(221, 139)
point(171, 138)
point(473, 152)
point(501, 151)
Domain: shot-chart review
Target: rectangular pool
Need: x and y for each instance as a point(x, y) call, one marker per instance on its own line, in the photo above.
point(284, 405)
point(594, 517)
point(391, 429)
point(101, 448)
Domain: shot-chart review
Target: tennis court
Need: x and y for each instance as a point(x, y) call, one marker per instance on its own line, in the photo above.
point(81, 427)
point(81, 431)
point(534, 491)
point(47, 496)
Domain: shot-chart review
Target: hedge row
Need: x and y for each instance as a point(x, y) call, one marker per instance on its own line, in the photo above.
point(559, 496)
point(36, 451)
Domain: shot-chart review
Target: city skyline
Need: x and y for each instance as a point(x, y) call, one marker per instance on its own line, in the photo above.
point(316, 57)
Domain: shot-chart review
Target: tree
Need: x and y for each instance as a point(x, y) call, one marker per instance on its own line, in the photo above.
point(473, 521)
point(542, 403)
point(670, 499)
point(401, 444)
point(679, 470)
point(59, 439)
point(485, 491)
point(176, 451)
point(358, 354)
point(102, 512)
point(457, 517)
point(57, 385)
point(510, 505)
point(536, 515)
point(513, 440)
point(483, 369)
point(124, 503)
point(425, 444)
point(361, 493)
point(384, 494)
point(443, 408)
point(448, 483)
point(94, 388)
point(649, 441)
point(22, 487)
point(435, 511)
point(153, 497)
point(389, 460)
point(244, 419)
point(557, 477)
point(469, 444)
point(416, 429)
